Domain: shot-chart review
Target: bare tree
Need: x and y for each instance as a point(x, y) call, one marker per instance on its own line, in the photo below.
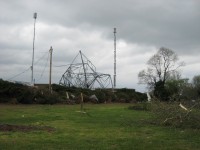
point(161, 67)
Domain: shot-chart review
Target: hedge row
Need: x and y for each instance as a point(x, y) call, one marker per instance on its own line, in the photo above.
point(18, 93)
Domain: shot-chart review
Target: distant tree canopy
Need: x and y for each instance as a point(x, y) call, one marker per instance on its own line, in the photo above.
point(162, 67)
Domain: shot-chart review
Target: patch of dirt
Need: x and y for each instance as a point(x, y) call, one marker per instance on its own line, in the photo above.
point(24, 128)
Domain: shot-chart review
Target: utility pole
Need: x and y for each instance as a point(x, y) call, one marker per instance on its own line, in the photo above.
point(115, 31)
point(32, 77)
point(50, 70)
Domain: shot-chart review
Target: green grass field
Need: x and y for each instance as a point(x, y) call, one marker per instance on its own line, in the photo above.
point(103, 126)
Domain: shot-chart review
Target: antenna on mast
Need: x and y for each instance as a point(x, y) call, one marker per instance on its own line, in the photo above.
point(32, 78)
point(115, 31)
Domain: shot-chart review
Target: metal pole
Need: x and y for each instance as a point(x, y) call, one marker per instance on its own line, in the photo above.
point(32, 78)
point(50, 70)
point(115, 57)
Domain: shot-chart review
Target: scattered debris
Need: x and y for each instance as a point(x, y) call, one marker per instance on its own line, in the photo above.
point(148, 97)
point(183, 107)
point(67, 95)
point(93, 97)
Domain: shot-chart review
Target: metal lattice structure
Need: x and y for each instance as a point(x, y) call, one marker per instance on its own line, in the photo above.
point(83, 74)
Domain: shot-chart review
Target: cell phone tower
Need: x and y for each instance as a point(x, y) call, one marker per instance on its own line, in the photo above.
point(115, 31)
point(32, 77)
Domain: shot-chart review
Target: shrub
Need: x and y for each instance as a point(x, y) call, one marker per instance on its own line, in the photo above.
point(172, 114)
point(24, 96)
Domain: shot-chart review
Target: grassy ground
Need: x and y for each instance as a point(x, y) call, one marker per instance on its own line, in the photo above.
point(103, 126)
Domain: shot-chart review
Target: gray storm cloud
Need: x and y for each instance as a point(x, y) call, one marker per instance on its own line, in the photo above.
point(69, 26)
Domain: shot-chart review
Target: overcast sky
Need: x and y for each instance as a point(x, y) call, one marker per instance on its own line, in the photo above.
point(143, 26)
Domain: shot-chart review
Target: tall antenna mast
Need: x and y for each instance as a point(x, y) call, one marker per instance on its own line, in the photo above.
point(115, 31)
point(32, 78)
point(50, 68)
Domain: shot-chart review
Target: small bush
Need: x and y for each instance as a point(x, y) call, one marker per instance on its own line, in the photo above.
point(101, 96)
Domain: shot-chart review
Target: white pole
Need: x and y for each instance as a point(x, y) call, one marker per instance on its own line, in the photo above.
point(32, 77)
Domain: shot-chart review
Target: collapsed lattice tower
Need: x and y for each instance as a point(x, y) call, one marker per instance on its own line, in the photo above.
point(82, 73)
